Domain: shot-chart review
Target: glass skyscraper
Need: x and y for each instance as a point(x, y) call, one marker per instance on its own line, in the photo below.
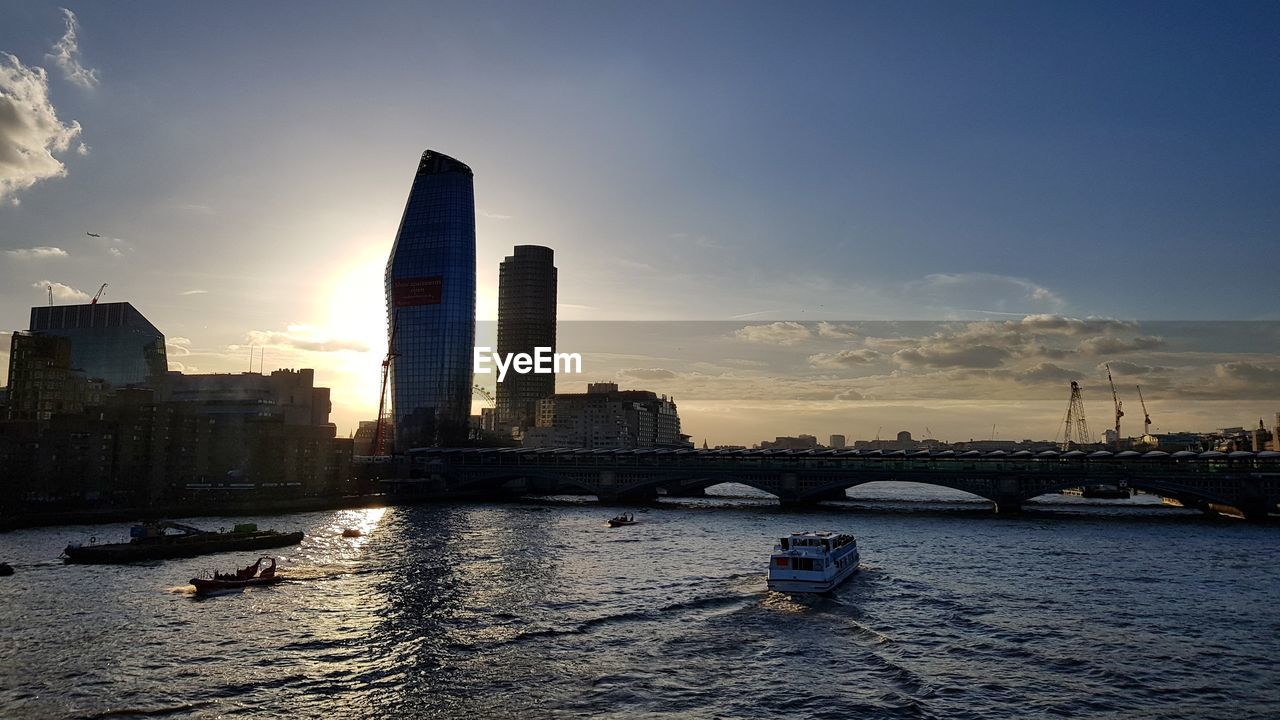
point(526, 321)
point(431, 306)
point(109, 341)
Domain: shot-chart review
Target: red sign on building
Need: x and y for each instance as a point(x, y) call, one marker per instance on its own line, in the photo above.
point(408, 292)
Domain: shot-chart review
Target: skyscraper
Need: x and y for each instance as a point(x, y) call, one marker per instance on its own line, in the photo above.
point(109, 341)
point(431, 306)
point(526, 320)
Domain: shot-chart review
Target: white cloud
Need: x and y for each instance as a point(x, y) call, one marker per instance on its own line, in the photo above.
point(778, 333)
point(494, 216)
point(844, 358)
point(36, 253)
point(30, 131)
point(62, 292)
point(304, 337)
point(1107, 345)
point(987, 292)
point(194, 292)
point(66, 55)
point(836, 332)
point(179, 346)
point(646, 373)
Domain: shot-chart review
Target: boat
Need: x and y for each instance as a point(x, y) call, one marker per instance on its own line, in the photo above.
point(812, 562)
point(154, 541)
point(352, 532)
point(5, 569)
point(252, 576)
point(623, 519)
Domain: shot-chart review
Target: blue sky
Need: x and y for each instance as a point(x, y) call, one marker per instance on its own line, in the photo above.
point(686, 160)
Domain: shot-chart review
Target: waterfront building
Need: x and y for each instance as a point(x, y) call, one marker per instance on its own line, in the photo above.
point(606, 417)
point(109, 341)
point(800, 442)
point(526, 321)
point(431, 299)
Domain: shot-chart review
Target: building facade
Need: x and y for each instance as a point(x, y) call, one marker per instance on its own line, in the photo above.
point(431, 302)
point(526, 321)
point(606, 417)
point(112, 342)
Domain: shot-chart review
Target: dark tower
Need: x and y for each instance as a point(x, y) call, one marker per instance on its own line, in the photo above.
point(526, 321)
point(431, 304)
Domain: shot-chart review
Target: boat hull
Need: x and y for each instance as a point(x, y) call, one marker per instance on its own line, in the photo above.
point(796, 587)
point(205, 586)
point(188, 547)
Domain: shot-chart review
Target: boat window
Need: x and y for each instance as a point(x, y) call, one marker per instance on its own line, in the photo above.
point(785, 543)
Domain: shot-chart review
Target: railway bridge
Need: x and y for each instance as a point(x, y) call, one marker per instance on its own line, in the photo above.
point(1248, 482)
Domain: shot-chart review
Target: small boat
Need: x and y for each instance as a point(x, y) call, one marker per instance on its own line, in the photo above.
point(352, 533)
point(812, 562)
point(251, 576)
point(153, 541)
point(623, 519)
point(5, 569)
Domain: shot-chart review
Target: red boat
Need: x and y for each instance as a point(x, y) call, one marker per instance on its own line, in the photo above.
point(251, 576)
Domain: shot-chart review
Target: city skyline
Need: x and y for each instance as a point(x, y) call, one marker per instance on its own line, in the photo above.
point(1005, 181)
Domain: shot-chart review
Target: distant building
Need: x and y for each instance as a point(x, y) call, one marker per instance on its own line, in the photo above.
point(42, 383)
point(109, 341)
point(836, 442)
point(800, 442)
point(431, 306)
point(526, 321)
point(606, 417)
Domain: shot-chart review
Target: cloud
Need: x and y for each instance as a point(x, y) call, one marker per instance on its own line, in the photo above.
point(66, 55)
point(1113, 345)
point(646, 373)
point(36, 253)
point(778, 333)
point(179, 346)
point(967, 290)
point(1124, 367)
point(844, 358)
point(30, 131)
point(193, 292)
point(495, 216)
point(836, 332)
point(1073, 326)
point(303, 337)
point(937, 356)
point(65, 293)
point(1046, 372)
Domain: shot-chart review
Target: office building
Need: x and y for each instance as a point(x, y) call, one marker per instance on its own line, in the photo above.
point(112, 342)
point(526, 321)
point(606, 417)
point(431, 302)
point(836, 442)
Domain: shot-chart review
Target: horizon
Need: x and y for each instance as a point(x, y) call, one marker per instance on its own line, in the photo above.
point(1044, 164)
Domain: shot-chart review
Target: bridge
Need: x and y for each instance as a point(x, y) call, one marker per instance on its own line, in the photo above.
point(1248, 482)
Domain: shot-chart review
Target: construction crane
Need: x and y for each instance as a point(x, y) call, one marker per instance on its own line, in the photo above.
point(98, 295)
point(1115, 399)
point(1074, 427)
point(1146, 416)
point(379, 432)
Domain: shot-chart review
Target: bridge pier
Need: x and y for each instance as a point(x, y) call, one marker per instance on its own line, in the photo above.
point(1256, 511)
point(1008, 505)
point(627, 497)
point(687, 493)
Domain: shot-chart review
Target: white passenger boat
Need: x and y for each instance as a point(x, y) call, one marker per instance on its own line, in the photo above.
point(812, 562)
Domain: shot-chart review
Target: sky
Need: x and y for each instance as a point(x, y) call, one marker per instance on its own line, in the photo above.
point(246, 166)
